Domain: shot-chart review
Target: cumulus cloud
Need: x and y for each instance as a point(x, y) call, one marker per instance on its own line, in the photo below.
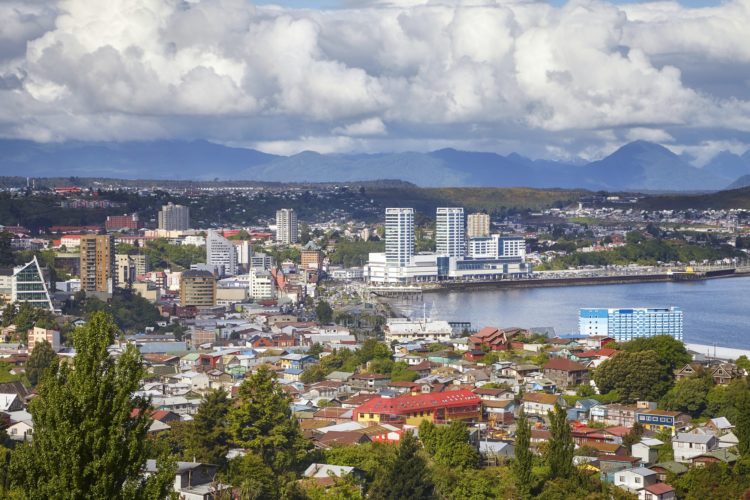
point(571, 81)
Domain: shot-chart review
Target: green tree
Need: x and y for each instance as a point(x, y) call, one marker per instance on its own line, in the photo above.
point(207, 437)
point(313, 373)
point(448, 444)
point(524, 458)
point(406, 476)
point(42, 356)
point(669, 350)
point(6, 250)
point(635, 376)
point(742, 423)
point(88, 441)
point(252, 477)
point(689, 395)
point(743, 363)
point(324, 312)
point(632, 437)
point(561, 447)
point(262, 422)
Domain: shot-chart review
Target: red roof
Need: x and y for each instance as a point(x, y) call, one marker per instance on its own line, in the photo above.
point(420, 402)
point(565, 365)
point(659, 488)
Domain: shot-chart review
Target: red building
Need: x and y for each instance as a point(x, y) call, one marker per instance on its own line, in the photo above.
point(437, 407)
point(489, 337)
point(120, 222)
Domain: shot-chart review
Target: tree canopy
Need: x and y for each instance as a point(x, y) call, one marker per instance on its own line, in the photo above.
point(89, 432)
point(635, 376)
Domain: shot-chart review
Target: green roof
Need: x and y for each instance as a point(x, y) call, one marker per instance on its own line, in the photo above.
point(193, 356)
point(672, 466)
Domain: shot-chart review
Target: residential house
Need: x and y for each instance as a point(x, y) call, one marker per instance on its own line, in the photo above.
point(662, 420)
point(580, 411)
point(499, 412)
point(647, 450)
point(371, 381)
point(325, 474)
point(635, 480)
point(715, 456)
point(489, 338)
point(613, 414)
point(609, 465)
point(686, 445)
point(664, 469)
point(659, 491)
point(194, 480)
point(540, 404)
point(565, 373)
point(297, 361)
point(21, 431)
point(10, 402)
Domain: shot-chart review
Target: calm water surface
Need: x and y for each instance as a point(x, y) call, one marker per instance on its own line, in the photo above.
point(715, 311)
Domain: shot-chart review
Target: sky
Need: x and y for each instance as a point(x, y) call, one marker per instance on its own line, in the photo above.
point(560, 80)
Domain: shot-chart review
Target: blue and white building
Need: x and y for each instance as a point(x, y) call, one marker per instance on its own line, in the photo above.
point(629, 324)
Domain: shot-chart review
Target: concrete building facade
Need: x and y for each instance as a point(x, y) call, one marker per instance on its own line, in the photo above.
point(174, 217)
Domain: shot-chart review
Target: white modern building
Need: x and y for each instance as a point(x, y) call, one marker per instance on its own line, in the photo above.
point(496, 246)
point(29, 285)
point(478, 225)
point(629, 324)
point(174, 217)
point(221, 254)
point(407, 330)
point(260, 260)
point(286, 226)
point(450, 232)
point(262, 285)
point(399, 236)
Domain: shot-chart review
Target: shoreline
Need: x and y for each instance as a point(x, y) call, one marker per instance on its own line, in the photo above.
point(564, 282)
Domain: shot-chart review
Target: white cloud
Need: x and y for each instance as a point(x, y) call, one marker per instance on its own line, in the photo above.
point(370, 126)
point(566, 81)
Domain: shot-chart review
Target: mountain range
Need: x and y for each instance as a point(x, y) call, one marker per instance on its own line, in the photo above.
point(637, 166)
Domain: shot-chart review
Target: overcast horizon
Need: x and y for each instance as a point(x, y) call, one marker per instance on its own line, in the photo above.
point(546, 80)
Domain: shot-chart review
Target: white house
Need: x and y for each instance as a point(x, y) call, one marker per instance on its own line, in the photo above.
point(647, 450)
point(21, 431)
point(10, 402)
point(636, 480)
point(686, 446)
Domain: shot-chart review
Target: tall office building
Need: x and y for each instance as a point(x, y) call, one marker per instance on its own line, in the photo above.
point(629, 324)
point(221, 254)
point(197, 288)
point(286, 226)
point(478, 225)
point(399, 236)
point(98, 264)
point(130, 266)
point(28, 284)
point(450, 233)
point(174, 217)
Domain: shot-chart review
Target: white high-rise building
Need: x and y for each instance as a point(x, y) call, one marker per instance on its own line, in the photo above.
point(174, 217)
point(624, 325)
point(286, 226)
point(450, 233)
point(29, 285)
point(478, 225)
point(262, 285)
point(399, 236)
point(220, 254)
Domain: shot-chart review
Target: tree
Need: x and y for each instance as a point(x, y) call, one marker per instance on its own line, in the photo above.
point(561, 447)
point(207, 437)
point(524, 458)
point(689, 395)
point(89, 431)
point(324, 312)
point(253, 478)
point(635, 376)
point(742, 423)
point(406, 476)
point(262, 422)
point(448, 444)
point(313, 373)
point(669, 350)
point(42, 356)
